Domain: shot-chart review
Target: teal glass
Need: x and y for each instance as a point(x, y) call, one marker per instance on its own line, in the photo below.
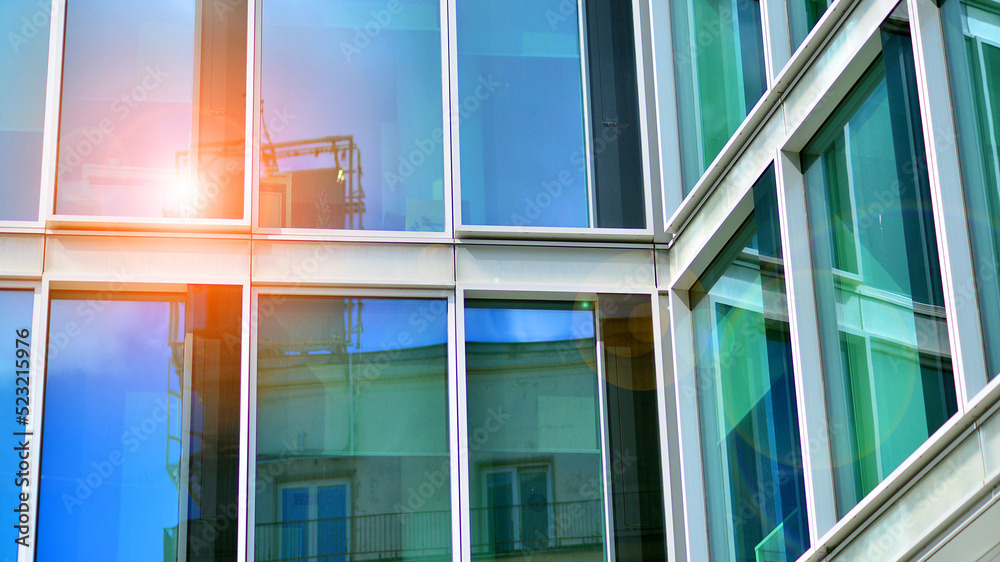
point(803, 16)
point(25, 28)
point(535, 463)
point(15, 326)
point(751, 453)
point(141, 449)
point(720, 75)
point(972, 34)
point(884, 337)
point(521, 114)
point(352, 455)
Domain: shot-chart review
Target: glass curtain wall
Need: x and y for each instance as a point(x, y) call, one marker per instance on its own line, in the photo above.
point(25, 26)
point(751, 453)
point(972, 33)
point(352, 430)
point(153, 109)
point(140, 456)
point(535, 466)
point(719, 75)
point(886, 358)
point(352, 128)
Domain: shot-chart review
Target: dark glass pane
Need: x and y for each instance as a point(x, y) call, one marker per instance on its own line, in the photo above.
point(141, 448)
point(754, 483)
point(878, 283)
point(803, 16)
point(616, 146)
point(972, 34)
point(352, 417)
point(535, 465)
point(719, 72)
point(352, 129)
point(633, 427)
point(521, 113)
point(25, 26)
point(153, 109)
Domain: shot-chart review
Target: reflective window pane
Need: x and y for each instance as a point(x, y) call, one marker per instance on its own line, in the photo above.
point(535, 465)
point(352, 430)
point(352, 130)
point(972, 33)
point(23, 62)
point(521, 113)
point(889, 381)
point(153, 109)
point(803, 16)
point(140, 457)
point(15, 325)
point(746, 396)
point(719, 72)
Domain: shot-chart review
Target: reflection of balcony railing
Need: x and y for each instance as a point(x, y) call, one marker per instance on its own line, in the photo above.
point(538, 527)
point(427, 535)
point(389, 536)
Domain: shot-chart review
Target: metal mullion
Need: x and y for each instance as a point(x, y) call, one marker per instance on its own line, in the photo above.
point(50, 127)
point(251, 417)
point(958, 272)
point(609, 535)
point(36, 384)
point(588, 130)
point(449, 150)
point(644, 71)
point(666, 410)
point(777, 43)
point(807, 364)
point(251, 162)
point(247, 410)
point(691, 465)
point(461, 539)
point(452, 105)
point(661, 38)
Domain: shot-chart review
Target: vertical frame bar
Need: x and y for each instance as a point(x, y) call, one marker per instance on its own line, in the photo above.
point(458, 517)
point(464, 535)
point(965, 330)
point(602, 412)
point(450, 158)
point(250, 487)
point(807, 364)
point(689, 440)
point(643, 66)
point(661, 37)
point(667, 411)
point(50, 127)
point(247, 410)
point(36, 370)
point(250, 161)
point(581, 12)
point(777, 43)
point(452, 114)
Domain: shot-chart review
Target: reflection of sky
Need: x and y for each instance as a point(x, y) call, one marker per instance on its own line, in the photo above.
point(16, 307)
point(22, 99)
point(108, 380)
point(526, 325)
point(318, 66)
point(419, 322)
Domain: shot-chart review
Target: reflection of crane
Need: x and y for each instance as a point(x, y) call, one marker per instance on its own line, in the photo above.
point(316, 203)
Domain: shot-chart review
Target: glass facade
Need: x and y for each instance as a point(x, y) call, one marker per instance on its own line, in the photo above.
point(352, 430)
point(25, 25)
point(886, 356)
point(749, 420)
point(972, 33)
point(141, 445)
point(720, 75)
point(303, 280)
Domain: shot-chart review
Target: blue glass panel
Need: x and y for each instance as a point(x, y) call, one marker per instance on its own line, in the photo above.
point(25, 28)
point(521, 112)
point(352, 115)
point(15, 325)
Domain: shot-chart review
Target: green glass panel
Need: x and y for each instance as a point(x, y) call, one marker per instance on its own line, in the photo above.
point(352, 406)
point(886, 356)
point(972, 36)
point(749, 422)
point(535, 461)
point(719, 72)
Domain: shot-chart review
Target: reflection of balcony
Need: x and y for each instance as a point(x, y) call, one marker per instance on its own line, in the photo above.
point(389, 536)
point(573, 526)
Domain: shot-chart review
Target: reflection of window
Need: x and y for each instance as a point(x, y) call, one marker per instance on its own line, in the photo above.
point(315, 521)
point(877, 276)
point(519, 501)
